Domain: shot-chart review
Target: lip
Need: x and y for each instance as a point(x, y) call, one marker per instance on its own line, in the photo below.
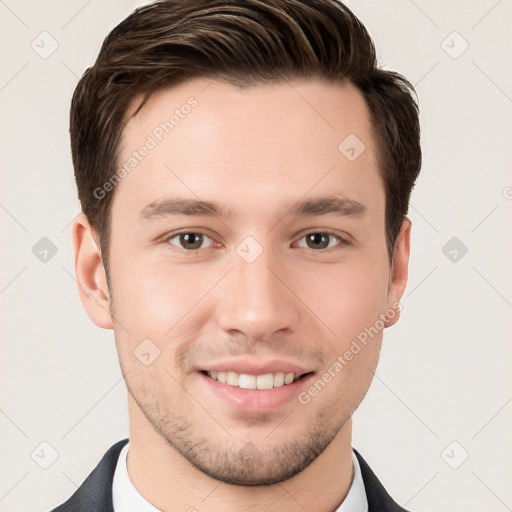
point(254, 400)
point(254, 367)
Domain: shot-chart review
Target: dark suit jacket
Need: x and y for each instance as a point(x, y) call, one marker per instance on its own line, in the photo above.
point(95, 494)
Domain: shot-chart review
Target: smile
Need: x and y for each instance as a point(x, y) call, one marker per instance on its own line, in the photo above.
point(247, 381)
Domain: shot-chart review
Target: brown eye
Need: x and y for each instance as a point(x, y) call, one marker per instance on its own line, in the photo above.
point(190, 241)
point(320, 240)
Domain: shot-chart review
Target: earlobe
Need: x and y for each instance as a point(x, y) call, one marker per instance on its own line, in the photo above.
point(90, 273)
point(399, 271)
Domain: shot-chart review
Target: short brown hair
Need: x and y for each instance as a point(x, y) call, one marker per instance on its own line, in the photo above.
point(243, 42)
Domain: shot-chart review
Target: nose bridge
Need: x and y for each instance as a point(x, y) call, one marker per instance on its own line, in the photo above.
point(255, 301)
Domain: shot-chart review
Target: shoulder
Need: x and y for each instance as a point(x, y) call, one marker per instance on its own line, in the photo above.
point(377, 496)
point(95, 493)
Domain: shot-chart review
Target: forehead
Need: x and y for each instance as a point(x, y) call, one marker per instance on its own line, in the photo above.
point(248, 147)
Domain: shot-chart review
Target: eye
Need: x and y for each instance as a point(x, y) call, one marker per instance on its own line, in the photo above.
point(321, 240)
point(189, 240)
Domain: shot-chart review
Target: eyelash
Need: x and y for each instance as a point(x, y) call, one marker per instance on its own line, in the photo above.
point(192, 252)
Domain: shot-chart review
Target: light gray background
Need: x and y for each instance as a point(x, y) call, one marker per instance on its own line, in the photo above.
point(444, 373)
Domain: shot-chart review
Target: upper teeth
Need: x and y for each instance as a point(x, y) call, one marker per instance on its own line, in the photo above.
point(243, 380)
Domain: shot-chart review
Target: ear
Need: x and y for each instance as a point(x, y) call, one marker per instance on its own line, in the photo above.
point(399, 270)
point(90, 273)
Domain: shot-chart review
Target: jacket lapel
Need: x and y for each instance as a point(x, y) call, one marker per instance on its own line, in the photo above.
point(95, 494)
point(378, 498)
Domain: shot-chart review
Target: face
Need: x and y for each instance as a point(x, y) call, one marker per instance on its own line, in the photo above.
point(248, 258)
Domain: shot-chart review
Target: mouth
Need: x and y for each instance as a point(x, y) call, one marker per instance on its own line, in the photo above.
point(256, 392)
point(254, 385)
point(260, 382)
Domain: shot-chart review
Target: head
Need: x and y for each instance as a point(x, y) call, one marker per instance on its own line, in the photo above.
point(253, 111)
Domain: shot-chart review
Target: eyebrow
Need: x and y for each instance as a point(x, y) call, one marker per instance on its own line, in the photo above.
point(334, 204)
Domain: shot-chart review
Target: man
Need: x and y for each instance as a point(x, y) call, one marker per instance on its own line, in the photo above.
point(244, 170)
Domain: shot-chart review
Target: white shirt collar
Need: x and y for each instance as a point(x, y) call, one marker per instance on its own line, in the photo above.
point(127, 499)
point(355, 501)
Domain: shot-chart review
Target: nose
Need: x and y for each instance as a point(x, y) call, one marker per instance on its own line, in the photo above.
point(257, 299)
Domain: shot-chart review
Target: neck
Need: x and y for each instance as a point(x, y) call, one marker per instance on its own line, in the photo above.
point(169, 482)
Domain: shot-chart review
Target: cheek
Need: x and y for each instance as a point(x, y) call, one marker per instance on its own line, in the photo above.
point(163, 303)
point(151, 306)
point(348, 301)
point(150, 295)
point(347, 298)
